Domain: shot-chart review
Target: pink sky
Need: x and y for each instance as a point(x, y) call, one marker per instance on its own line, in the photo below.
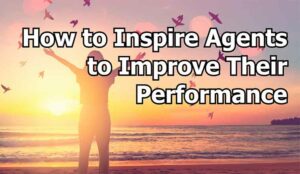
point(37, 99)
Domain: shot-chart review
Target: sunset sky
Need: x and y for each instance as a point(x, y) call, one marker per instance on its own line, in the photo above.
point(55, 99)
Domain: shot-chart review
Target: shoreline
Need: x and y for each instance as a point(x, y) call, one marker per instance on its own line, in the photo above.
point(263, 168)
point(169, 162)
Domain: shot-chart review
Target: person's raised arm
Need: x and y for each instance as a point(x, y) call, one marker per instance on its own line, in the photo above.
point(140, 56)
point(72, 67)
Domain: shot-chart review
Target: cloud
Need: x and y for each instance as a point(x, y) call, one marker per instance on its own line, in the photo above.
point(251, 52)
point(31, 7)
point(12, 32)
point(201, 25)
point(145, 26)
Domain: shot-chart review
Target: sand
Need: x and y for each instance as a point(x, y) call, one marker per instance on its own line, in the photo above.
point(258, 168)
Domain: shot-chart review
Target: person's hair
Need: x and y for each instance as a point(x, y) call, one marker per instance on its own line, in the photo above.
point(96, 54)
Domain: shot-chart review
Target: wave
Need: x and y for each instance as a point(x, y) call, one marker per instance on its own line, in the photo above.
point(153, 143)
point(36, 143)
point(68, 141)
point(13, 139)
point(35, 134)
point(293, 133)
point(128, 156)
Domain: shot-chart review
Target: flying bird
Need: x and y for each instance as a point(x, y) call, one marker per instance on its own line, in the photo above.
point(87, 3)
point(215, 17)
point(23, 63)
point(221, 56)
point(19, 44)
point(140, 56)
point(49, 1)
point(5, 88)
point(138, 32)
point(178, 20)
point(41, 74)
point(48, 15)
point(258, 47)
point(192, 84)
point(74, 22)
point(211, 115)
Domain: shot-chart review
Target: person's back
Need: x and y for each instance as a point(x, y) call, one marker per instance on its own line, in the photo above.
point(94, 90)
point(94, 117)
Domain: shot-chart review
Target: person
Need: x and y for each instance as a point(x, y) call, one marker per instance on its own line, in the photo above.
point(94, 122)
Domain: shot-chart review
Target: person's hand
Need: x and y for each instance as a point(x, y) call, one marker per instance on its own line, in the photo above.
point(140, 56)
point(49, 52)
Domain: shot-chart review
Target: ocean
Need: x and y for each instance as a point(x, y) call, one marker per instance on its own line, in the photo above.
point(34, 145)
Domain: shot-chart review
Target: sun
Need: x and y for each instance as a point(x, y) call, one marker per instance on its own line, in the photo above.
point(60, 107)
point(57, 108)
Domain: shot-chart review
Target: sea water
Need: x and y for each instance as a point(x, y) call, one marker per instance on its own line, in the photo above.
point(34, 145)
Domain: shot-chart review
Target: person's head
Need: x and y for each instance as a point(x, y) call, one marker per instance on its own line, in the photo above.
point(96, 54)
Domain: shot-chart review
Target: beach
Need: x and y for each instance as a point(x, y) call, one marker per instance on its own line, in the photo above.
point(254, 168)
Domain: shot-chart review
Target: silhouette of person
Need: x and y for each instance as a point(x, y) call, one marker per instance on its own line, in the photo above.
point(94, 120)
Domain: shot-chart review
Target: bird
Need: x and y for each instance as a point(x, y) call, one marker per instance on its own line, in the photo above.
point(178, 20)
point(49, 1)
point(140, 56)
point(87, 3)
point(48, 15)
point(215, 17)
point(23, 63)
point(74, 22)
point(138, 32)
point(19, 44)
point(41, 74)
point(192, 84)
point(211, 115)
point(5, 88)
point(221, 56)
point(259, 47)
